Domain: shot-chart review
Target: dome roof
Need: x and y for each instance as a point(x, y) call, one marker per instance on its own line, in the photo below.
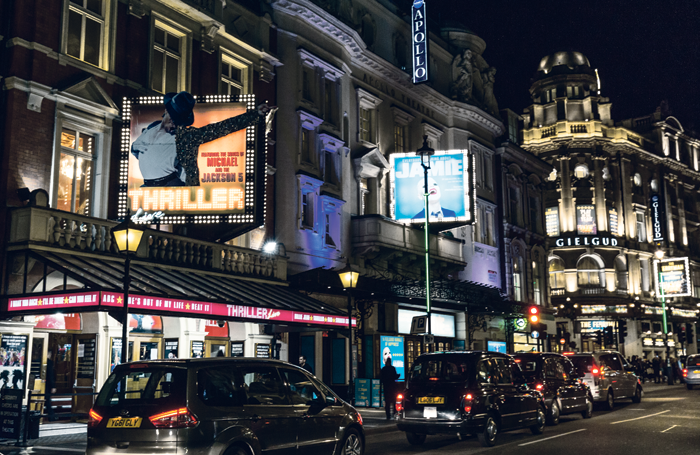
point(569, 59)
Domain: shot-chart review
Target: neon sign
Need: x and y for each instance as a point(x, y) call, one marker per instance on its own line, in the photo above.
point(420, 42)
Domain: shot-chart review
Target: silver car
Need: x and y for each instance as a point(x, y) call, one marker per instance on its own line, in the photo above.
point(609, 376)
point(691, 372)
point(220, 406)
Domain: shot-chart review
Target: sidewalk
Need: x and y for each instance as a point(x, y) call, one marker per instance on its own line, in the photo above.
point(57, 434)
point(374, 421)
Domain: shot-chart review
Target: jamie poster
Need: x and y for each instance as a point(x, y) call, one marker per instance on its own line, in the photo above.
point(449, 187)
point(13, 353)
point(179, 179)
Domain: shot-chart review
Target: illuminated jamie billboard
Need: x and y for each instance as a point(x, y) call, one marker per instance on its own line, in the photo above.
point(673, 277)
point(450, 187)
point(205, 169)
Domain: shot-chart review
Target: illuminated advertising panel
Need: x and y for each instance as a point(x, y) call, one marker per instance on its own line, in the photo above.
point(551, 221)
point(585, 220)
point(656, 218)
point(419, 26)
point(450, 187)
point(673, 277)
point(203, 173)
point(612, 213)
point(392, 348)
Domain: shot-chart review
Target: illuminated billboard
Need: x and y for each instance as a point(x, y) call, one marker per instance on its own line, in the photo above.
point(206, 171)
point(585, 220)
point(450, 186)
point(673, 277)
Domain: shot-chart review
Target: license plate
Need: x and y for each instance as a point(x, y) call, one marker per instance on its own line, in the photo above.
point(696, 371)
point(431, 400)
point(124, 422)
point(430, 412)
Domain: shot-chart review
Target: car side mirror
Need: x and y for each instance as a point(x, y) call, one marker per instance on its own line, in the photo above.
point(166, 387)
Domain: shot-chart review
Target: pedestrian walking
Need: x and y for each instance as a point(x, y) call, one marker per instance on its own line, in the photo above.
point(50, 386)
point(388, 377)
point(656, 365)
point(305, 365)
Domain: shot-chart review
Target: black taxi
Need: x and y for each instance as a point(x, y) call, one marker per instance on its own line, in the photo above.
point(465, 393)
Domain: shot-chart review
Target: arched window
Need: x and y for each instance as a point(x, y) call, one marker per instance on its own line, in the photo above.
point(590, 274)
point(556, 274)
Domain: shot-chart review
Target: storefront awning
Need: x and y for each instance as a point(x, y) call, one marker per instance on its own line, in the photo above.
point(82, 283)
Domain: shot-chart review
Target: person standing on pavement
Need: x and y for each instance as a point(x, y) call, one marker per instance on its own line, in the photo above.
point(50, 385)
point(304, 365)
point(388, 377)
point(656, 365)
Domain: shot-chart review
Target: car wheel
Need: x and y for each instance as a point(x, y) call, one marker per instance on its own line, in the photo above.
point(415, 439)
point(553, 417)
point(637, 398)
point(689, 386)
point(588, 413)
point(487, 437)
point(538, 428)
point(610, 402)
point(353, 444)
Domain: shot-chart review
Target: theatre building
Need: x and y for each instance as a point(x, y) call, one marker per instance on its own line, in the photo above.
point(621, 215)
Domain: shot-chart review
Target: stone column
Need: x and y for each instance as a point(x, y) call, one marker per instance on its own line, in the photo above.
point(626, 186)
point(567, 212)
point(601, 209)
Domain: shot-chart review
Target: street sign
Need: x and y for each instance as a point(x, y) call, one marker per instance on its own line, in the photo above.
point(428, 339)
point(419, 325)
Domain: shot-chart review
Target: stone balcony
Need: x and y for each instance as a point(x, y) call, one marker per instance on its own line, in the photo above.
point(42, 228)
point(390, 250)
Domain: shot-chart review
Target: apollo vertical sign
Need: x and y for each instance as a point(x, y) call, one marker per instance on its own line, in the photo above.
point(656, 218)
point(420, 42)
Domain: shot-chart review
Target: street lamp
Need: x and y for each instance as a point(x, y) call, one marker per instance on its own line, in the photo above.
point(660, 255)
point(425, 153)
point(349, 276)
point(127, 235)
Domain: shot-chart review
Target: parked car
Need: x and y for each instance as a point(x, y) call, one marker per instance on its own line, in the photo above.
point(691, 371)
point(466, 393)
point(220, 406)
point(556, 378)
point(609, 376)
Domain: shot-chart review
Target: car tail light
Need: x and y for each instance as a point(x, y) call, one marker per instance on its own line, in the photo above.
point(539, 386)
point(94, 419)
point(177, 418)
point(467, 403)
point(517, 360)
point(685, 372)
point(359, 418)
point(399, 403)
point(595, 370)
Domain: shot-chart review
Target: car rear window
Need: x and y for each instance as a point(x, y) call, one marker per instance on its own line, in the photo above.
point(693, 361)
point(144, 386)
point(583, 363)
point(528, 367)
point(236, 386)
point(443, 370)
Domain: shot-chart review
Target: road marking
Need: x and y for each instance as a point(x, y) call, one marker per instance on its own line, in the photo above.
point(643, 417)
point(551, 437)
point(654, 400)
point(669, 428)
point(56, 449)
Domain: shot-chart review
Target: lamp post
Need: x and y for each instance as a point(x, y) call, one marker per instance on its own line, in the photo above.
point(660, 255)
point(425, 153)
point(349, 276)
point(127, 235)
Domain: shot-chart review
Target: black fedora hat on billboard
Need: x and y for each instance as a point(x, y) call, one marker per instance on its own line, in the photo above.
point(179, 106)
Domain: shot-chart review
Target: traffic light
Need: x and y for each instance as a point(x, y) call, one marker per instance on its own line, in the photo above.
point(533, 316)
point(622, 324)
point(681, 333)
point(599, 335)
point(608, 334)
point(690, 333)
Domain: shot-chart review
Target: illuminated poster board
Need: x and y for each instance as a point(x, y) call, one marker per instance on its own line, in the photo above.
point(450, 184)
point(392, 348)
point(229, 183)
point(673, 277)
point(551, 221)
point(585, 220)
point(613, 221)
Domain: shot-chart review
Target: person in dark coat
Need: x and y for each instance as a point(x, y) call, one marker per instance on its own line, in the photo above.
point(388, 377)
point(304, 365)
point(50, 385)
point(656, 365)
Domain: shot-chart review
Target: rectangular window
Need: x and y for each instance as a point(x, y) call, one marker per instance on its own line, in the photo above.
point(399, 138)
point(537, 294)
point(307, 210)
point(328, 239)
point(364, 193)
point(306, 81)
point(517, 287)
point(641, 227)
point(85, 30)
point(490, 234)
point(75, 172)
point(234, 76)
point(167, 60)
point(365, 125)
point(330, 105)
point(306, 155)
point(329, 173)
point(488, 171)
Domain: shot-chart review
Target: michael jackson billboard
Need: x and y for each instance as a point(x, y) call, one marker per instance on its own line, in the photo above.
point(451, 189)
point(192, 159)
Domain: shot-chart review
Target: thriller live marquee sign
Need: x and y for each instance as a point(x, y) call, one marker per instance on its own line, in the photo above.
point(177, 307)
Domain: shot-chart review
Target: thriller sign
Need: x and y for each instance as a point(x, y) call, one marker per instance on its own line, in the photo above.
point(420, 42)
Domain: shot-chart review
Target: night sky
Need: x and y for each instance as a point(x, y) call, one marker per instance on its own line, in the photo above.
point(645, 51)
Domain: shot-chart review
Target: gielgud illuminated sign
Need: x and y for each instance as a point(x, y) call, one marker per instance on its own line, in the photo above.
point(451, 190)
point(673, 277)
point(202, 168)
point(586, 241)
point(419, 32)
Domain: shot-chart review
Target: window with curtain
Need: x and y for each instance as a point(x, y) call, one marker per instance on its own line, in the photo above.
point(75, 172)
point(556, 274)
point(589, 273)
